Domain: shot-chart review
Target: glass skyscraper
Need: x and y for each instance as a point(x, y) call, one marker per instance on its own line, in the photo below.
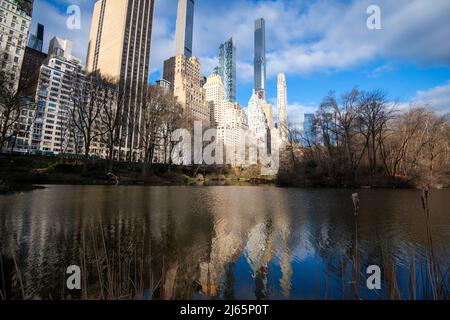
point(260, 58)
point(185, 28)
point(227, 69)
point(36, 41)
point(309, 130)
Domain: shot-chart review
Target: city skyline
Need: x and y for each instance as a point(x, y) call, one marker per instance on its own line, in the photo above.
point(274, 142)
point(414, 75)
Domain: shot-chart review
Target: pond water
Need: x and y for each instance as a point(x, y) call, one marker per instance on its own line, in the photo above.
point(222, 242)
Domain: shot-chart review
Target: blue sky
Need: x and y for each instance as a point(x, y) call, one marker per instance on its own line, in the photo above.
point(321, 45)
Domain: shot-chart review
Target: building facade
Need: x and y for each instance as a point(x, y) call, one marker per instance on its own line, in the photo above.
point(184, 75)
point(119, 48)
point(49, 124)
point(260, 59)
point(227, 69)
point(214, 93)
point(60, 47)
point(257, 120)
point(282, 121)
point(15, 20)
point(184, 28)
point(36, 40)
point(231, 130)
point(163, 84)
point(268, 112)
point(310, 136)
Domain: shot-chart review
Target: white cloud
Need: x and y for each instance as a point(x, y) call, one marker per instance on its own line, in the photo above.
point(437, 98)
point(302, 37)
point(54, 18)
point(296, 113)
point(386, 68)
point(325, 35)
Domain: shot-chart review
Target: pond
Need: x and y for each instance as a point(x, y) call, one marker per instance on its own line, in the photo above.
point(222, 242)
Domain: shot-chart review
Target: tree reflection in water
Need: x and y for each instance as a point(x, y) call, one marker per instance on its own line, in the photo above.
point(221, 243)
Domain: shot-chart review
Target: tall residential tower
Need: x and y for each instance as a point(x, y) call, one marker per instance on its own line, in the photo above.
point(184, 28)
point(119, 47)
point(227, 69)
point(182, 71)
point(260, 59)
point(282, 107)
point(15, 20)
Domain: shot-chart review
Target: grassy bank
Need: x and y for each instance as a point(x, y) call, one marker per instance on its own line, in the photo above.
point(21, 172)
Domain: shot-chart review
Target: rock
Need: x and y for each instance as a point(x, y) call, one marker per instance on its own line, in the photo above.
point(199, 177)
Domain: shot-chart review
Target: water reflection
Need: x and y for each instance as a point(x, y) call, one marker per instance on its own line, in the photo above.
point(219, 243)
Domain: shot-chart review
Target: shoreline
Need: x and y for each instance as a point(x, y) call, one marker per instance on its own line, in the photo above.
point(22, 173)
point(27, 187)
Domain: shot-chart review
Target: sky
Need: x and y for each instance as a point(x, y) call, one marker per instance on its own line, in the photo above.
point(321, 45)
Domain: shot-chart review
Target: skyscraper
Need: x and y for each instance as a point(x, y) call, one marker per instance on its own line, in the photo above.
point(184, 28)
point(44, 127)
point(36, 41)
point(15, 20)
point(214, 93)
point(260, 58)
point(227, 69)
point(282, 107)
point(309, 130)
point(257, 120)
point(184, 75)
point(60, 47)
point(119, 47)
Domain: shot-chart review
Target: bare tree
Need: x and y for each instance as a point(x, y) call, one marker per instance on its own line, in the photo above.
point(171, 121)
point(361, 130)
point(111, 116)
point(374, 113)
point(89, 96)
point(346, 113)
point(397, 140)
point(153, 109)
point(12, 104)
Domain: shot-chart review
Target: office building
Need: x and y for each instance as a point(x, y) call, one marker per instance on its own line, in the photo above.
point(260, 59)
point(184, 28)
point(231, 130)
point(36, 40)
point(60, 47)
point(282, 122)
point(257, 120)
point(119, 48)
point(47, 127)
point(214, 93)
point(184, 75)
point(227, 69)
point(163, 84)
point(15, 20)
point(310, 135)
